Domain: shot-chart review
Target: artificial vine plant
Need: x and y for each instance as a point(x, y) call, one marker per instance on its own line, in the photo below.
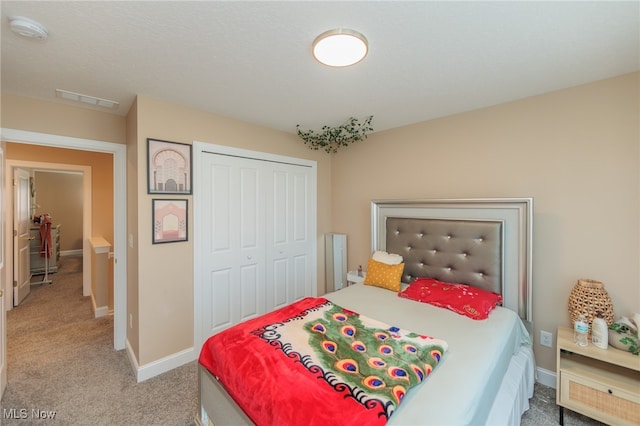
point(331, 139)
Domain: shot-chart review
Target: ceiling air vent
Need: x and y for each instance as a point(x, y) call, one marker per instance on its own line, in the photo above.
point(86, 99)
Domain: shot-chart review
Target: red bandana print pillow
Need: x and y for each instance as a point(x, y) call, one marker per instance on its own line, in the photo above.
point(460, 298)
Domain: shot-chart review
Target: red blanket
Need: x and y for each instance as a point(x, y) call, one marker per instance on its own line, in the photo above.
point(315, 363)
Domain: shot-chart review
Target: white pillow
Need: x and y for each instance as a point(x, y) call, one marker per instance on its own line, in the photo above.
point(388, 258)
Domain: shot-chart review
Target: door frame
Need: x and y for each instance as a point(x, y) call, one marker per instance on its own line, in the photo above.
point(120, 215)
point(86, 210)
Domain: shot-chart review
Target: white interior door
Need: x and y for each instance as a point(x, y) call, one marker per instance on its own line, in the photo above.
point(290, 234)
point(21, 237)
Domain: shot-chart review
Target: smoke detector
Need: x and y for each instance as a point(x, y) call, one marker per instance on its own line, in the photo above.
point(28, 28)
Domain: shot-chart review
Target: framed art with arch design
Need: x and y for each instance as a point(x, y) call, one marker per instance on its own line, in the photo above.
point(170, 221)
point(169, 167)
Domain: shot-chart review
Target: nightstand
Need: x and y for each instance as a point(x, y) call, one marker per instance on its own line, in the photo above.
point(353, 278)
point(603, 384)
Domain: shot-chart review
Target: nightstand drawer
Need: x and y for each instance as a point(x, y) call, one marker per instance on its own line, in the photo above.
point(610, 404)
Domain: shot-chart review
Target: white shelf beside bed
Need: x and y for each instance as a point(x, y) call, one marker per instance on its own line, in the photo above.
point(354, 278)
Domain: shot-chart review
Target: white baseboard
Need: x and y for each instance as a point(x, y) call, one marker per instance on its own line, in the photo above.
point(152, 369)
point(546, 377)
point(77, 252)
point(102, 311)
point(132, 357)
point(160, 366)
point(147, 371)
point(99, 311)
point(155, 368)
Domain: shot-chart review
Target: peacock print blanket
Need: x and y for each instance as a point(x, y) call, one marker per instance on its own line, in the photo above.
point(316, 363)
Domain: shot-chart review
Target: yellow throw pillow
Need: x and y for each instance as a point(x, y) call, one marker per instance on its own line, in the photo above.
point(382, 275)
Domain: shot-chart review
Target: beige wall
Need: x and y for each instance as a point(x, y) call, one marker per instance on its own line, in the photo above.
point(165, 281)
point(575, 151)
point(61, 119)
point(60, 195)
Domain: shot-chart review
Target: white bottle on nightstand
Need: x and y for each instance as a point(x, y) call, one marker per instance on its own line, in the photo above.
point(600, 332)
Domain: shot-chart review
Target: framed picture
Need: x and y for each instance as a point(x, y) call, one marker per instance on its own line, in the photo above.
point(169, 167)
point(170, 221)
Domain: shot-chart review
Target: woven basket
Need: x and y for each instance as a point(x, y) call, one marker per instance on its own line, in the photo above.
point(588, 297)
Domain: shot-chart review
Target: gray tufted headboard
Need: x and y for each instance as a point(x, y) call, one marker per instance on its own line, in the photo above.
point(459, 251)
point(481, 242)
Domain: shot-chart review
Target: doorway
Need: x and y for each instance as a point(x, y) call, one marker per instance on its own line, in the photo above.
point(120, 228)
point(12, 165)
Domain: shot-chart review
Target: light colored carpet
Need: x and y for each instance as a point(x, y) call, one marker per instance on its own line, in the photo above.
point(543, 411)
point(61, 359)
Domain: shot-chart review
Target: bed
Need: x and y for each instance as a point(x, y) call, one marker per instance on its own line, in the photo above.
point(479, 371)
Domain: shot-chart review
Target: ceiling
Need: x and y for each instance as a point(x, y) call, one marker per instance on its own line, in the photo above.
point(252, 60)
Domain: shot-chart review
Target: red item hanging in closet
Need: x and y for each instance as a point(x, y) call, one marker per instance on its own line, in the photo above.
point(46, 250)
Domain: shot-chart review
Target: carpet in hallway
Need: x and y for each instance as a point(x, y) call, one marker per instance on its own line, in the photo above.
point(61, 360)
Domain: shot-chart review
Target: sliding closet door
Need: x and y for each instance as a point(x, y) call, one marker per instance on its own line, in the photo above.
point(234, 285)
point(255, 238)
point(289, 237)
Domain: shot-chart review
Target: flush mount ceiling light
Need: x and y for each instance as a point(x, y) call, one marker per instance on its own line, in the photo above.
point(86, 99)
point(28, 28)
point(340, 47)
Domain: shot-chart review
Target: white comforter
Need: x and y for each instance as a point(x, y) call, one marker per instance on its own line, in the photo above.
point(473, 367)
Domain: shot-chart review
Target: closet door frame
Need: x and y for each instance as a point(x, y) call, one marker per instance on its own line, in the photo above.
point(200, 150)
